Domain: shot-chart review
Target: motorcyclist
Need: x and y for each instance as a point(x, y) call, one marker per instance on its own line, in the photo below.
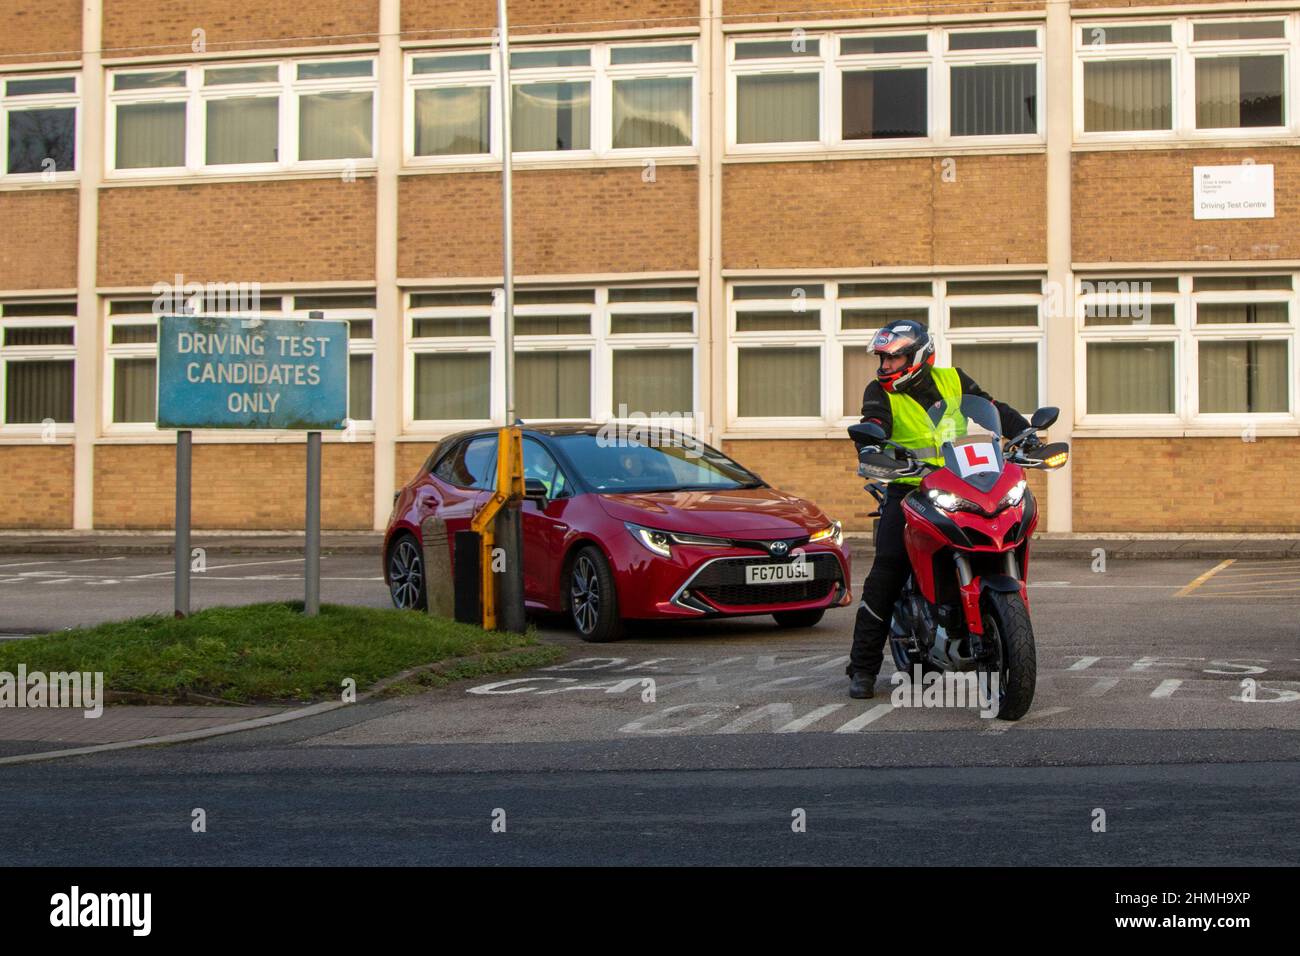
point(907, 383)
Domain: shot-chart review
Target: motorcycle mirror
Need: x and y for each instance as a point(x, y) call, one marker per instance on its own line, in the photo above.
point(1045, 417)
point(867, 433)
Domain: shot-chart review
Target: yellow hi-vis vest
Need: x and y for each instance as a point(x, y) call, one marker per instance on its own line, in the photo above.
point(912, 426)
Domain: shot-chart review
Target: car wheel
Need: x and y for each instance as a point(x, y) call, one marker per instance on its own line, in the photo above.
point(406, 575)
point(798, 618)
point(593, 602)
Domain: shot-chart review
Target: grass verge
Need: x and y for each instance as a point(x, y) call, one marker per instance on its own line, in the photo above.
point(264, 653)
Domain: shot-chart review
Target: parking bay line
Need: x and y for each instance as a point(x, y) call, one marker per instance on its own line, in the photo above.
point(1204, 577)
point(860, 721)
point(217, 567)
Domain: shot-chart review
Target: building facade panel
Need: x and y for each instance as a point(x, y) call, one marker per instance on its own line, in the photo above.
point(40, 30)
point(44, 254)
point(38, 486)
point(141, 27)
point(253, 486)
point(1137, 206)
point(1184, 484)
point(567, 221)
point(311, 230)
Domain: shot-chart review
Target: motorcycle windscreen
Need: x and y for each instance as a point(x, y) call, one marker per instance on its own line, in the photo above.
point(970, 434)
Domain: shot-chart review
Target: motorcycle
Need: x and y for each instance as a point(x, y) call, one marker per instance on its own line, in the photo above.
point(968, 528)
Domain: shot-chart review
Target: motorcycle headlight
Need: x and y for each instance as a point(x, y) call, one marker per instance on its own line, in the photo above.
point(1013, 497)
point(951, 502)
point(832, 533)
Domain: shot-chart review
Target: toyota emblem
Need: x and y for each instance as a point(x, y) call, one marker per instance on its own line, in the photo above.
point(778, 549)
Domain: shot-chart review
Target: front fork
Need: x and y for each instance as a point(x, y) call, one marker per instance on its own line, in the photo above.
point(971, 588)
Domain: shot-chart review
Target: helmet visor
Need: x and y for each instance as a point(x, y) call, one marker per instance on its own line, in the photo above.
point(894, 341)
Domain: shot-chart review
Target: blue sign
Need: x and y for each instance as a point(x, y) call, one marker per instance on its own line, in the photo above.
point(222, 372)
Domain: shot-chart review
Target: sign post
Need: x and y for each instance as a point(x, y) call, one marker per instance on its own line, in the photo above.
point(251, 373)
point(181, 587)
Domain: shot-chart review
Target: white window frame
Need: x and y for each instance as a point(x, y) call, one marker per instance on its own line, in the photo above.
point(360, 345)
point(832, 340)
point(37, 353)
point(287, 89)
point(600, 75)
point(1186, 337)
point(600, 342)
point(35, 101)
point(1183, 52)
point(937, 60)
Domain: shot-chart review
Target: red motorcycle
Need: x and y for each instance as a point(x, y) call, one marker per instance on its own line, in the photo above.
point(968, 527)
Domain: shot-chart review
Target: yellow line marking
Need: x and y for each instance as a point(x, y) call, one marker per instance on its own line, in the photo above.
point(1204, 577)
point(1228, 581)
point(1234, 574)
point(1276, 592)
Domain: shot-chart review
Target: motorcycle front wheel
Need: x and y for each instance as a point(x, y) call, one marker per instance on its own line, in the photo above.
point(1007, 627)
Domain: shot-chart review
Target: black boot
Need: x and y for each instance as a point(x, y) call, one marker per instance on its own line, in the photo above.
point(862, 685)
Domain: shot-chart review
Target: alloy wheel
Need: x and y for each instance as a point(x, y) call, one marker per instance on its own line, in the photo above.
point(585, 594)
point(406, 575)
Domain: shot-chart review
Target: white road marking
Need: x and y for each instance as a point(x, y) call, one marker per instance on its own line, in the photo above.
point(808, 719)
point(216, 567)
point(867, 717)
point(1083, 663)
point(90, 560)
point(26, 564)
point(1167, 688)
point(1101, 686)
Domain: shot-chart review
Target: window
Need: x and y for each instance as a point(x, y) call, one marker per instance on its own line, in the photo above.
point(799, 351)
point(1181, 78)
point(37, 356)
point(580, 102)
point(540, 464)
point(131, 349)
point(248, 117)
point(917, 88)
point(579, 354)
point(471, 464)
point(1187, 348)
point(38, 126)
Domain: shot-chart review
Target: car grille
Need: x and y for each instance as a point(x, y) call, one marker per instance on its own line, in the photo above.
point(723, 582)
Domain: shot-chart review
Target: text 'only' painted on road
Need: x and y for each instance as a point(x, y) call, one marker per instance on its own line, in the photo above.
point(222, 372)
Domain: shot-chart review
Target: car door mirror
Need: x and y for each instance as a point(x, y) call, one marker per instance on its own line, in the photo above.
point(535, 490)
point(867, 433)
point(1045, 417)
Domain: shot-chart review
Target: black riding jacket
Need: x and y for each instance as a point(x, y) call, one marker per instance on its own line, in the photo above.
point(875, 401)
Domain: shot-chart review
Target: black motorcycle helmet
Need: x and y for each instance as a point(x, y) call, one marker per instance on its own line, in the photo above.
point(906, 337)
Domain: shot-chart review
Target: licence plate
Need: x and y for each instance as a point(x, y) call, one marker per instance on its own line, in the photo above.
point(778, 573)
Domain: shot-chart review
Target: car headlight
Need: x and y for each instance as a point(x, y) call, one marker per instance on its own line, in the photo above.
point(661, 542)
point(832, 533)
point(1013, 497)
point(951, 502)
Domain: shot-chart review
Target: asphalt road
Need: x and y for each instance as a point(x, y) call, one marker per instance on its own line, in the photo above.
point(702, 744)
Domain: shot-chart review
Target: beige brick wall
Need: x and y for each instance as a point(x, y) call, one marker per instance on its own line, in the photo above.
point(825, 471)
point(853, 213)
point(410, 457)
point(37, 486)
point(270, 231)
point(140, 27)
point(430, 19)
point(36, 30)
point(1185, 484)
point(779, 10)
point(38, 247)
point(255, 487)
point(1136, 206)
point(567, 221)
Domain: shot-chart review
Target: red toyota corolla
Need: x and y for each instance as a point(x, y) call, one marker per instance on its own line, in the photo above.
point(619, 530)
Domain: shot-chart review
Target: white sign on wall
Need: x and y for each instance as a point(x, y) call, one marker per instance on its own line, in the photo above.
point(1233, 192)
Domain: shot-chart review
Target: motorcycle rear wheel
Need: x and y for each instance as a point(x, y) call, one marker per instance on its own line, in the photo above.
point(1006, 622)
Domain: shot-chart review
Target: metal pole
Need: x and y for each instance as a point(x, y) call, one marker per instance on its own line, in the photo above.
point(311, 603)
point(507, 195)
point(181, 585)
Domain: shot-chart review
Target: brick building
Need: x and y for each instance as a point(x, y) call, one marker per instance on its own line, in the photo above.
point(717, 202)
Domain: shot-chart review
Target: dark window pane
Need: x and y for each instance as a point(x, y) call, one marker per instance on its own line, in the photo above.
point(452, 387)
point(662, 324)
point(452, 63)
point(863, 290)
point(778, 292)
point(134, 334)
point(360, 369)
point(879, 318)
point(552, 324)
point(768, 49)
point(551, 296)
point(39, 135)
point(534, 59)
point(149, 81)
point(1236, 92)
point(999, 40)
point(361, 329)
point(995, 100)
point(333, 68)
point(1240, 30)
point(42, 85)
point(39, 335)
point(35, 391)
point(1111, 36)
point(1230, 283)
point(134, 390)
point(620, 55)
point(358, 300)
point(808, 321)
point(20, 309)
point(452, 325)
point(851, 46)
point(884, 104)
point(449, 300)
point(684, 294)
point(996, 287)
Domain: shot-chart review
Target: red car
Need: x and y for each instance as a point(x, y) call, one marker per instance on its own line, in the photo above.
point(613, 530)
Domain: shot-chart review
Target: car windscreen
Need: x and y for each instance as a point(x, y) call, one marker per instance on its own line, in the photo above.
point(669, 465)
